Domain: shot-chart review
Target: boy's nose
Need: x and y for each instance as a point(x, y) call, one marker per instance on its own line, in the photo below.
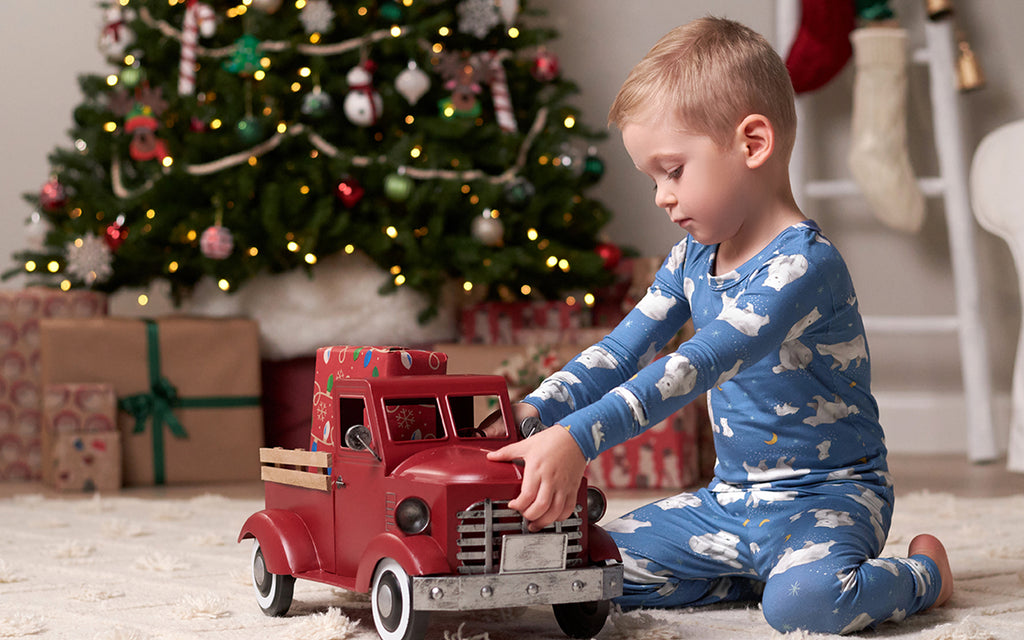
point(664, 197)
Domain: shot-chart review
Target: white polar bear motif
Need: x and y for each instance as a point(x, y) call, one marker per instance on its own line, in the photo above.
point(654, 305)
point(829, 412)
point(812, 552)
point(597, 357)
point(745, 320)
point(679, 379)
point(721, 546)
point(555, 388)
point(784, 270)
point(793, 354)
point(845, 353)
point(676, 257)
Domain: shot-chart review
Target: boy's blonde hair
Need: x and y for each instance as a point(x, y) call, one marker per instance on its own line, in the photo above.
point(711, 73)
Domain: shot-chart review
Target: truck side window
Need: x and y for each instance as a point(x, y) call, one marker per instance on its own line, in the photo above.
point(469, 413)
point(350, 411)
point(413, 419)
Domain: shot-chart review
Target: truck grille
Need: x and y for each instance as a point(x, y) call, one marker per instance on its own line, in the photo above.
point(482, 525)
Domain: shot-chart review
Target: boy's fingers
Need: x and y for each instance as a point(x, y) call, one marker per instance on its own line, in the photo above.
point(506, 453)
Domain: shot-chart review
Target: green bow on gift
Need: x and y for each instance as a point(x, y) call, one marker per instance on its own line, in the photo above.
point(159, 403)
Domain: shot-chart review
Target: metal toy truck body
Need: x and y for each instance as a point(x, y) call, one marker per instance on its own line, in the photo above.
point(397, 498)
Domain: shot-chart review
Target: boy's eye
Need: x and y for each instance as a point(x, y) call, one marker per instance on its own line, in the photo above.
point(675, 173)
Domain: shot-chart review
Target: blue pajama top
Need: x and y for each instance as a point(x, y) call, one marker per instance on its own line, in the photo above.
point(779, 347)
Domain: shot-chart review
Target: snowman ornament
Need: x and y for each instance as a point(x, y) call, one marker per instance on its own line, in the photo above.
point(363, 103)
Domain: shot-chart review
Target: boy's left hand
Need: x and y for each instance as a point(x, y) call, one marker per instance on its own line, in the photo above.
point(553, 468)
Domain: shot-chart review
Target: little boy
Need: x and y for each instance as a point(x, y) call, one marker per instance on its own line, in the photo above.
point(801, 501)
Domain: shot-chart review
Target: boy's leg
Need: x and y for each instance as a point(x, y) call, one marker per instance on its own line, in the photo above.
point(823, 573)
point(683, 551)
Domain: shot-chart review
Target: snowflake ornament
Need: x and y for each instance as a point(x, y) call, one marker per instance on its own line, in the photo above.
point(477, 17)
point(317, 16)
point(89, 259)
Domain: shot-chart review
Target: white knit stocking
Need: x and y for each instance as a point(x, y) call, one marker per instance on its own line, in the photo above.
point(878, 156)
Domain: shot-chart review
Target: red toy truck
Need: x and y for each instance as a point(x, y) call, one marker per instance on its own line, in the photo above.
point(397, 498)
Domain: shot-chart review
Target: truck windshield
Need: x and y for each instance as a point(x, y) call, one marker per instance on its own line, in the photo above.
point(470, 413)
point(413, 419)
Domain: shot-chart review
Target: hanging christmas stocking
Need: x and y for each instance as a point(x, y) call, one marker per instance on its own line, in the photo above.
point(821, 47)
point(878, 155)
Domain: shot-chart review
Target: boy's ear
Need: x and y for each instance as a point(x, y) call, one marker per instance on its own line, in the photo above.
point(757, 139)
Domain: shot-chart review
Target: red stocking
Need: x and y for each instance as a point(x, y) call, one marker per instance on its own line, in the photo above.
point(822, 44)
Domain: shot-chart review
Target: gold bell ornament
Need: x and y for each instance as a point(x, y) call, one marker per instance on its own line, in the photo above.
point(938, 9)
point(968, 70)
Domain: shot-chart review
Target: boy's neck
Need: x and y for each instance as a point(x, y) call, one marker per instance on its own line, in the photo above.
point(757, 233)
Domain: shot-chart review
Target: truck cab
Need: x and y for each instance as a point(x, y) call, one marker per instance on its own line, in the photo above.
point(396, 497)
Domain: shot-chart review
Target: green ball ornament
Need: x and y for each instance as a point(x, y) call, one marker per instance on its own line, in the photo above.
point(130, 76)
point(391, 11)
point(398, 187)
point(249, 130)
point(520, 191)
point(593, 167)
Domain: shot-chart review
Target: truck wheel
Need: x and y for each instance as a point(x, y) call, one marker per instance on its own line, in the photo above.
point(391, 602)
point(273, 591)
point(581, 619)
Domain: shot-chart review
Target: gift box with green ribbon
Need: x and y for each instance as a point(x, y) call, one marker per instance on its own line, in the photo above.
point(188, 391)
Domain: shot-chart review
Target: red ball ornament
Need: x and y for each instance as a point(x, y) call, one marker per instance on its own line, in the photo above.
point(610, 254)
point(216, 242)
point(52, 195)
point(349, 191)
point(116, 234)
point(545, 66)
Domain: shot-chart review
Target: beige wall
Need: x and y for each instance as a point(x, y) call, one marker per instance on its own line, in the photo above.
point(44, 49)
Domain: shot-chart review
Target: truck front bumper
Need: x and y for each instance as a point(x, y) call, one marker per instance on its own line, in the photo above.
point(498, 590)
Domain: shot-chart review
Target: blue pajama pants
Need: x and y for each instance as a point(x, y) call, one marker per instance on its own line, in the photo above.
point(809, 555)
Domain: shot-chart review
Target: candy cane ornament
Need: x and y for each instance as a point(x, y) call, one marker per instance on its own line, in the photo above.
point(200, 19)
point(500, 94)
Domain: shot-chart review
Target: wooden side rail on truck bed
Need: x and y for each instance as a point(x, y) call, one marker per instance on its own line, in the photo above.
point(285, 466)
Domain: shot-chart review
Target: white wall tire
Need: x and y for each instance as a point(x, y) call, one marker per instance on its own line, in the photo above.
point(273, 591)
point(391, 603)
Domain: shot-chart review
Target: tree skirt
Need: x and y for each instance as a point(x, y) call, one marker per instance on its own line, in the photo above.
point(128, 568)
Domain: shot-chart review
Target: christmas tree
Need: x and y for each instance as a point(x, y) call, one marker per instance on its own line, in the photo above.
point(233, 139)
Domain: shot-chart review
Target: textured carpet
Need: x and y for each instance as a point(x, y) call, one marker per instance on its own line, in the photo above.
point(126, 568)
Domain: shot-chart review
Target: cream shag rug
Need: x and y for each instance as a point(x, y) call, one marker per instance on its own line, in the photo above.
point(126, 568)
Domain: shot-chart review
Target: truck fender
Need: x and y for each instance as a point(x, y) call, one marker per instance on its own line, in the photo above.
point(601, 546)
point(418, 555)
point(287, 546)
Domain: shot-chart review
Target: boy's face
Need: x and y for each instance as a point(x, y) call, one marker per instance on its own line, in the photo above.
point(698, 183)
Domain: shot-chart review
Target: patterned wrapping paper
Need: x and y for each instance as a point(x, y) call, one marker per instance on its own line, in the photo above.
point(20, 394)
point(510, 322)
point(86, 461)
point(72, 412)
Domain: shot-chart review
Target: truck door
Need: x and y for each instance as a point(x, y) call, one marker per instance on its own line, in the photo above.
point(358, 502)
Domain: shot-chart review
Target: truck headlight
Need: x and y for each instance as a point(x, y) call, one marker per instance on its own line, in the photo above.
point(596, 504)
point(412, 516)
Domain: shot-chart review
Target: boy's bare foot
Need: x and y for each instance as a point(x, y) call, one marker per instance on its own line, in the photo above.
point(929, 545)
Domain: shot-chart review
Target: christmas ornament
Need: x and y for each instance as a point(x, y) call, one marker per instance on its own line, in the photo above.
point(216, 242)
point(822, 44)
point(362, 104)
point(609, 253)
point(398, 186)
point(488, 230)
point(349, 191)
point(520, 191)
point(53, 196)
point(116, 36)
point(89, 259)
point(509, 11)
point(141, 121)
point(116, 233)
point(245, 59)
point(316, 103)
point(499, 93)
point(969, 75)
point(249, 130)
point(266, 6)
point(36, 230)
point(199, 19)
point(391, 12)
point(130, 76)
point(462, 73)
point(412, 83)
point(546, 66)
point(593, 166)
point(477, 17)
point(317, 16)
